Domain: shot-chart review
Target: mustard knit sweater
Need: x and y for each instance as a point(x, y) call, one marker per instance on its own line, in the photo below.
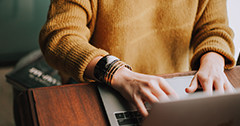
point(153, 36)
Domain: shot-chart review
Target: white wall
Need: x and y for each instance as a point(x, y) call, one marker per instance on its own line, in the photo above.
point(233, 7)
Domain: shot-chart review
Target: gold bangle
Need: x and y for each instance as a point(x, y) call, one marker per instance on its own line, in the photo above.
point(109, 74)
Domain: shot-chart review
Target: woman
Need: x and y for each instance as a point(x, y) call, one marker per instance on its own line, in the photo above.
point(150, 37)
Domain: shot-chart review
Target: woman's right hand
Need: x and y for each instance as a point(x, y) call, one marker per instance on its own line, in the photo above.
point(135, 87)
point(139, 88)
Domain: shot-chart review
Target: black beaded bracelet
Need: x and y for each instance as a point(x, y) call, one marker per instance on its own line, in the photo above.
point(106, 67)
point(103, 65)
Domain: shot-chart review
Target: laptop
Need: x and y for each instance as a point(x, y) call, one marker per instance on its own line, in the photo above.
point(198, 109)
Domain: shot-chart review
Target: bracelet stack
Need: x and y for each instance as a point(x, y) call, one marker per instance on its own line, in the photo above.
point(107, 67)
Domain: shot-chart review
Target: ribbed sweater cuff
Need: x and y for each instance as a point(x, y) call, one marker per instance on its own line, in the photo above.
point(213, 45)
point(80, 63)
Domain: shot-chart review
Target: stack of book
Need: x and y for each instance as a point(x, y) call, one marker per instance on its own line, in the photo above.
point(32, 71)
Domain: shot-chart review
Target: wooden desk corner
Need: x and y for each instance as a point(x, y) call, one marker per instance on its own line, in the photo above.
point(66, 105)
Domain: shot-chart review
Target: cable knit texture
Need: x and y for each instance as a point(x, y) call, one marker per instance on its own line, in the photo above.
point(153, 36)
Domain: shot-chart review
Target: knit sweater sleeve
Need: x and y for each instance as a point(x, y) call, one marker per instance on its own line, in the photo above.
point(64, 39)
point(212, 33)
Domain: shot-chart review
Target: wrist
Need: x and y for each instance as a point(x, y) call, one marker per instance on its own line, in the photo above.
point(120, 75)
point(213, 58)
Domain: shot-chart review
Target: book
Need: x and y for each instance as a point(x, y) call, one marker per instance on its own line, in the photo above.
point(32, 71)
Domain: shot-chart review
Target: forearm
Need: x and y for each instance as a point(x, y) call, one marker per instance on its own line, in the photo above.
point(212, 33)
point(64, 39)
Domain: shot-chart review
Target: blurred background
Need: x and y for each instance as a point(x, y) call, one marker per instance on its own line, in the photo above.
point(20, 23)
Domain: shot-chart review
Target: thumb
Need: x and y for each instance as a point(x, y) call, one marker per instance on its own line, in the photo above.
point(193, 86)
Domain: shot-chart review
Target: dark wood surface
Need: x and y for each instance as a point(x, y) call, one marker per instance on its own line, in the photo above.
point(76, 104)
point(67, 105)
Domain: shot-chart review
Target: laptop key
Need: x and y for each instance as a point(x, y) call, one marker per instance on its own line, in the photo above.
point(128, 114)
point(140, 119)
point(119, 115)
point(137, 114)
point(127, 121)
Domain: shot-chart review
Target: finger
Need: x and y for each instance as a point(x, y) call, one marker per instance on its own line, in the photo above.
point(152, 98)
point(155, 89)
point(193, 86)
point(160, 94)
point(207, 85)
point(228, 87)
point(166, 89)
point(163, 96)
point(218, 85)
point(141, 107)
point(148, 96)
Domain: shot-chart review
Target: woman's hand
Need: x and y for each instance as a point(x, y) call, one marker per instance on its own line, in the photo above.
point(135, 87)
point(211, 75)
point(138, 88)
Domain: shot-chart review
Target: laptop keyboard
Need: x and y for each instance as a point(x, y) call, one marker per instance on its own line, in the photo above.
point(129, 118)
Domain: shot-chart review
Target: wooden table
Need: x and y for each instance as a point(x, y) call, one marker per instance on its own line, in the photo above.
point(76, 104)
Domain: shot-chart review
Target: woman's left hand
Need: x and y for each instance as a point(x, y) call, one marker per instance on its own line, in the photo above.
point(211, 75)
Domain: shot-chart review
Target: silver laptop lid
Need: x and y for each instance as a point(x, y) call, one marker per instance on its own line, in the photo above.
point(197, 110)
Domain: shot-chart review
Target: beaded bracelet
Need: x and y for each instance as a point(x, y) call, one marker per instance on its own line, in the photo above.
point(107, 67)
